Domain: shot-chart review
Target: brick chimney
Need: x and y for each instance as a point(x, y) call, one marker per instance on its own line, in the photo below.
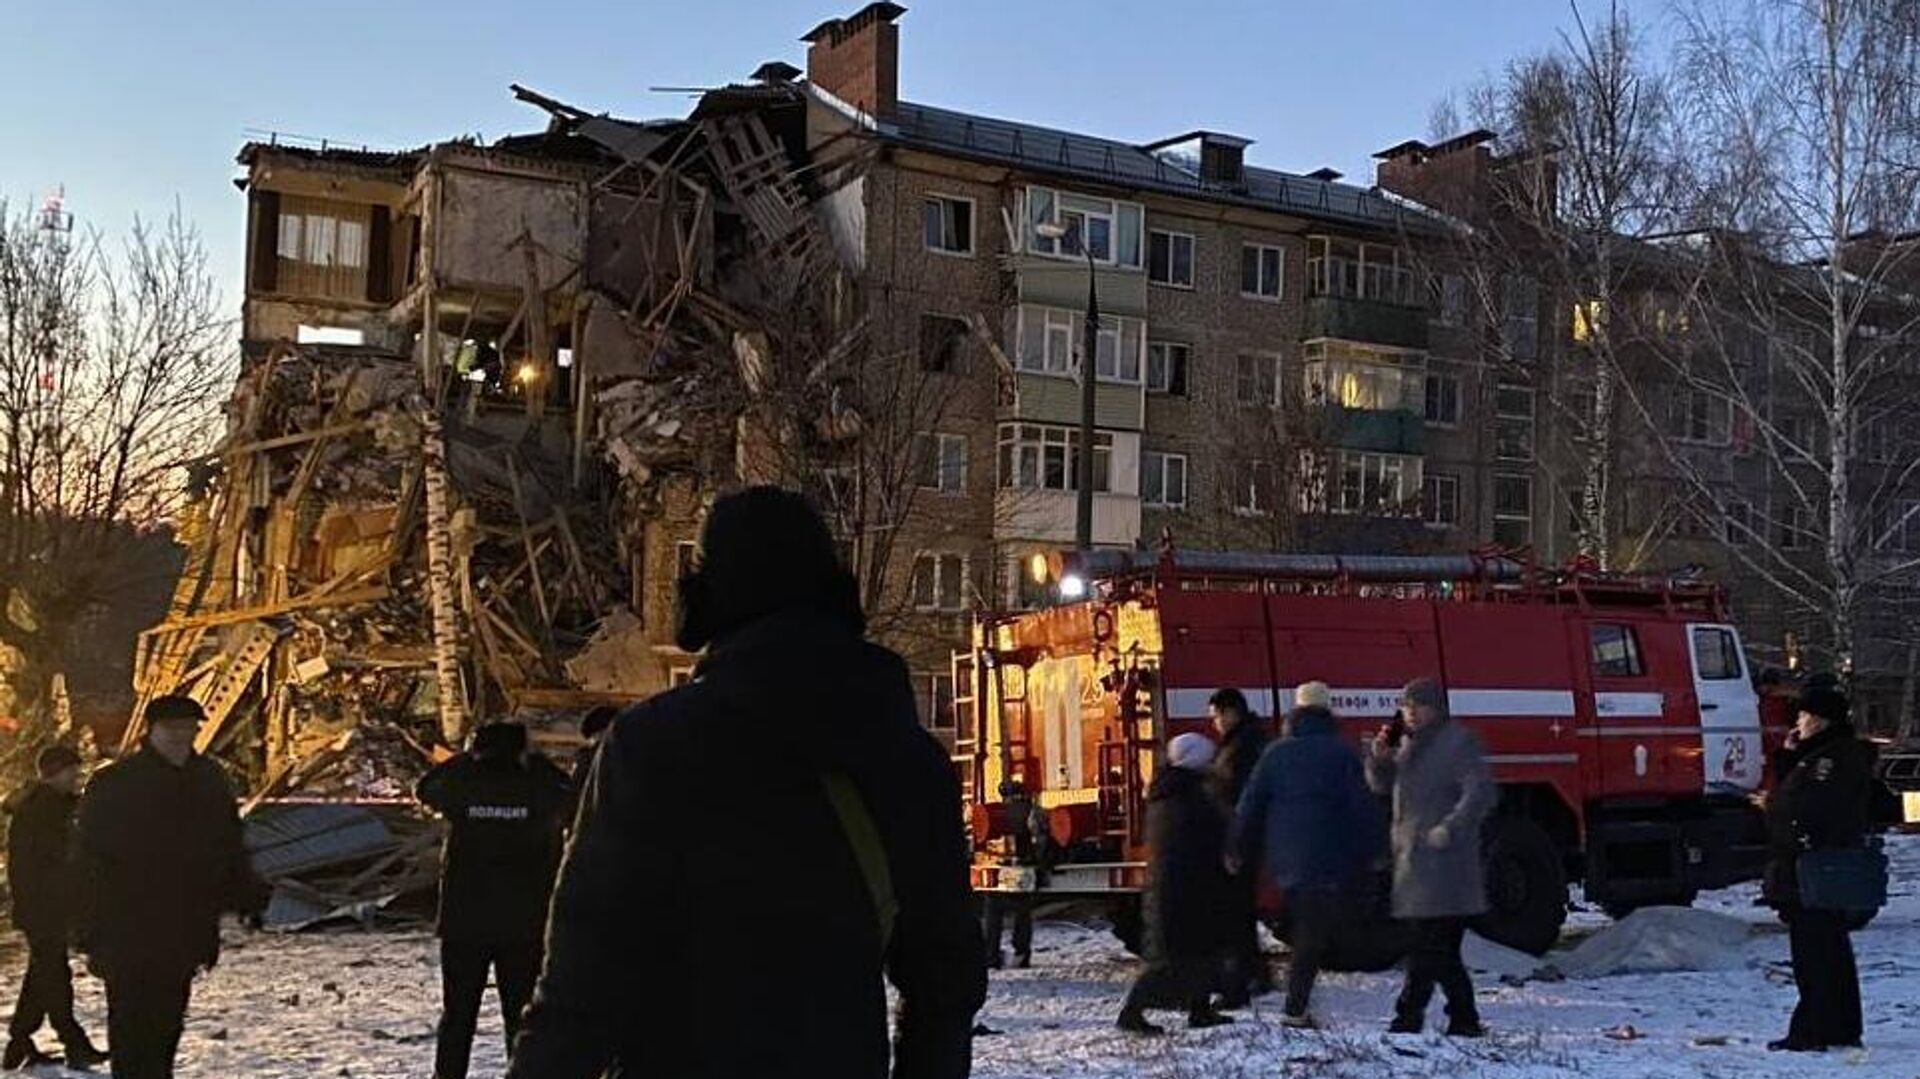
point(1450, 176)
point(857, 59)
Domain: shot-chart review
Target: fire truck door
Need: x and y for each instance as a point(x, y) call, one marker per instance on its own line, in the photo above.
point(1729, 709)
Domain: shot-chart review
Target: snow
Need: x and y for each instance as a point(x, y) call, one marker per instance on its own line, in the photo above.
point(356, 1005)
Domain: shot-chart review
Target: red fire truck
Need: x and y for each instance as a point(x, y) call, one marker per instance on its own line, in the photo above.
point(1622, 721)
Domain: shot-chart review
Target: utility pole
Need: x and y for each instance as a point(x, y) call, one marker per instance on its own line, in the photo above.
point(1089, 356)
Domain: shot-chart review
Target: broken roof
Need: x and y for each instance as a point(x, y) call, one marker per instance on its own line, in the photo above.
point(1110, 161)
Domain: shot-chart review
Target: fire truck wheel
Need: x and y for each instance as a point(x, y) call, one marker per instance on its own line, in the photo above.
point(1129, 927)
point(1526, 886)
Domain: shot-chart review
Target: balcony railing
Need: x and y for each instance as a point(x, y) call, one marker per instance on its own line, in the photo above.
point(1372, 321)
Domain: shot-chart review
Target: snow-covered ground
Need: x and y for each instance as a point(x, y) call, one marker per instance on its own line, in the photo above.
point(362, 1006)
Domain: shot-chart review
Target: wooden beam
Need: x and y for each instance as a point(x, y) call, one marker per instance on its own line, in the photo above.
point(304, 602)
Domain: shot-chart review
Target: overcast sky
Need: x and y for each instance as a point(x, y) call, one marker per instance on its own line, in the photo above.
point(132, 105)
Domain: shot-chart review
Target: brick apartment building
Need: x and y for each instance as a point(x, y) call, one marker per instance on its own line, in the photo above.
point(1284, 361)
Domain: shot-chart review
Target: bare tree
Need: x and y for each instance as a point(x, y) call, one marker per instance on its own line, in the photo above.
point(1802, 271)
point(112, 362)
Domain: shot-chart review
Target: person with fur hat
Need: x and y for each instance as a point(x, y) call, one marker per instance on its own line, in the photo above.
point(505, 809)
point(768, 844)
point(163, 857)
point(41, 878)
point(1308, 826)
point(1442, 792)
point(1821, 801)
point(1187, 895)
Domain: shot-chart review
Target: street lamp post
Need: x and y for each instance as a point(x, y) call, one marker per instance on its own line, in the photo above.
point(1089, 361)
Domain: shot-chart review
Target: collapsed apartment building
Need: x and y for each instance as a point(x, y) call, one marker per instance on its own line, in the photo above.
point(485, 390)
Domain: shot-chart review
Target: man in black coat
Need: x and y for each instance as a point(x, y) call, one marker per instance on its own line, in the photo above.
point(505, 809)
point(1243, 738)
point(40, 874)
point(161, 847)
point(1188, 893)
point(755, 849)
point(1822, 802)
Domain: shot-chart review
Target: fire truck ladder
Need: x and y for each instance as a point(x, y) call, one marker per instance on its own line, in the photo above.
point(966, 722)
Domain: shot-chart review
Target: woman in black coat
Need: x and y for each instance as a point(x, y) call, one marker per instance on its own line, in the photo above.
point(1188, 892)
point(1822, 802)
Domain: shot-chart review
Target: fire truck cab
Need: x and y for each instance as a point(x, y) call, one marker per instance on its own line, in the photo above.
point(1619, 714)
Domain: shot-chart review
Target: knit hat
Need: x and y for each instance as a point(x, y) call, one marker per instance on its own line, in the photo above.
point(1190, 751)
point(1314, 694)
point(1425, 692)
point(763, 551)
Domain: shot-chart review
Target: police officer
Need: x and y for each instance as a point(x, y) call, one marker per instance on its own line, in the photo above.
point(1029, 836)
point(40, 874)
point(1822, 802)
point(505, 808)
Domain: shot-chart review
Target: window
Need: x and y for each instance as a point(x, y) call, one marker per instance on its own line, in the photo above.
point(1443, 400)
point(322, 248)
point(936, 701)
point(1052, 337)
point(1356, 376)
point(679, 676)
point(1440, 500)
point(1167, 367)
point(1111, 231)
point(1256, 380)
point(1027, 592)
point(1794, 533)
point(1513, 423)
point(948, 224)
point(1261, 269)
point(1616, 652)
point(1739, 523)
point(1170, 258)
point(1588, 317)
point(1163, 479)
point(1450, 300)
point(1512, 510)
point(1373, 483)
point(1363, 271)
point(1700, 416)
point(1520, 317)
point(1253, 488)
point(1716, 653)
point(941, 462)
point(939, 582)
point(1038, 457)
point(1896, 525)
point(943, 343)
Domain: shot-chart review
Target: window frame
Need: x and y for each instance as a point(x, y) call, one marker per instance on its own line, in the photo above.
point(1428, 507)
point(1239, 360)
point(1260, 251)
point(1010, 453)
point(939, 560)
point(1164, 459)
point(1193, 249)
point(1248, 477)
point(1124, 331)
point(1498, 515)
point(1634, 657)
point(928, 200)
point(938, 443)
point(1118, 210)
point(1503, 417)
point(1429, 398)
point(1185, 367)
point(957, 345)
point(1727, 648)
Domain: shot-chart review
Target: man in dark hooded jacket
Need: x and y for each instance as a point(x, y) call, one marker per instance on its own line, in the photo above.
point(1243, 738)
point(826, 847)
point(505, 809)
point(163, 856)
point(41, 877)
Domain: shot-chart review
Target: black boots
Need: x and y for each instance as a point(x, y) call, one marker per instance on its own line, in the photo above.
point(22, 1053)
point(83, 1055)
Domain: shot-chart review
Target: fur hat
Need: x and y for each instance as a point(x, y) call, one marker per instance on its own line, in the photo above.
point(1190, 751)
point(1314, 694)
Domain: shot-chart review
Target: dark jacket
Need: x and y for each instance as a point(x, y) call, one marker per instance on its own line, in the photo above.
point(1822, 801)
point(1438, 776)
point(161, 851)
point(709, 879)
point(40, 869)
point(503, 844)
point(1240, 750)
point(1188, 902)
point(1307, 819)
